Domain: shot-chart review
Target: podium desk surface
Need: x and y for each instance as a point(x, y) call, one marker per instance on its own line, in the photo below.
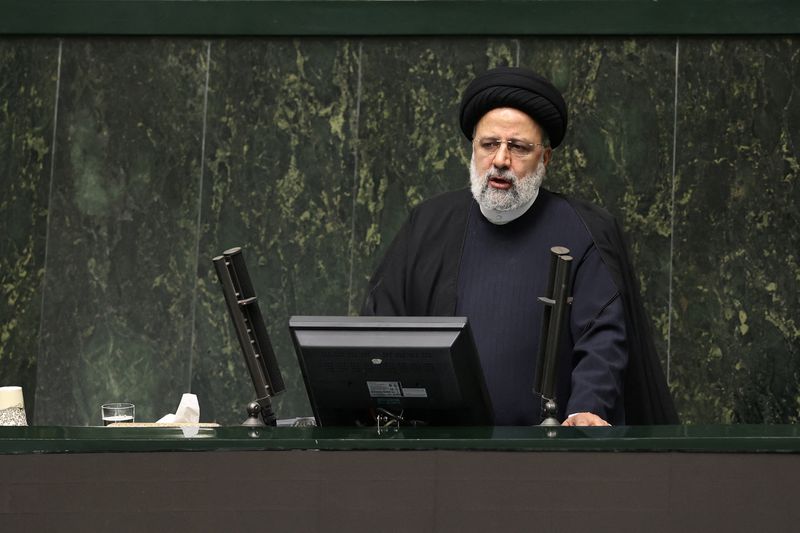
point(739, 438)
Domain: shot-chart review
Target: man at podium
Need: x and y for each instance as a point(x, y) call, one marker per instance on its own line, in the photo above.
point(483, 253)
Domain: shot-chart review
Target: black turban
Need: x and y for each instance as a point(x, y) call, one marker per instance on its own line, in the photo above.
point(521, 89)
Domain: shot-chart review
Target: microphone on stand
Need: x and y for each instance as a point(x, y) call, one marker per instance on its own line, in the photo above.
point(554, 322)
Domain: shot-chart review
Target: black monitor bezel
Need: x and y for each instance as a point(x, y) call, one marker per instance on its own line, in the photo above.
point(463, 359)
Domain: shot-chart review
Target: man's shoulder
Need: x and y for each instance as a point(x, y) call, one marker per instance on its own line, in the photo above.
point(601, 228)
point(442, 207)
point(601, 225)
point(446, 201)
point(588, 211)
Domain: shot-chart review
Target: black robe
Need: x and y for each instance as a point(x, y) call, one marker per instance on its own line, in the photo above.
point(419, 277)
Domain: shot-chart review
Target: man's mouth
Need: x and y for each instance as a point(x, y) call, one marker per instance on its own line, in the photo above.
point(497, 182)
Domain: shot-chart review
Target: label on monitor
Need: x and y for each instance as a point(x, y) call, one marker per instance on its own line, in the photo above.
point(414, 392)
point(384, 389)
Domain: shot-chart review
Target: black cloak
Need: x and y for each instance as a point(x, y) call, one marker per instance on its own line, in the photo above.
point(418, 276)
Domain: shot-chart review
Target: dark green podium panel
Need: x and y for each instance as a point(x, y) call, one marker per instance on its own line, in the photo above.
point(711, 439)
point(737, 478)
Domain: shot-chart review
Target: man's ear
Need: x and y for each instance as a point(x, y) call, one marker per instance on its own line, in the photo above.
point(548, 153)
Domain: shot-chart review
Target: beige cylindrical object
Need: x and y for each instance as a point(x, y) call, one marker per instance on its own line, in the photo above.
point(12, 407)
point(11, 397)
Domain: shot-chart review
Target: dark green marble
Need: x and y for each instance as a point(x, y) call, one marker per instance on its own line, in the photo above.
point(122, 253)
point(410, 145)
point(316, 149)
point(28, 70)
point(736, 321)
point(279, 181)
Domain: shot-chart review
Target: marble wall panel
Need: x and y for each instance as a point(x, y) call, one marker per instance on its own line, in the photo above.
point(118, 294)
point(736, 312)
point(314, 151)
point(278, 182)
point(618, 148)
point(410, 144)
point(28, 71)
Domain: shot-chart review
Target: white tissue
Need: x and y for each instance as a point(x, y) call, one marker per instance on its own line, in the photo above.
point(188, 411)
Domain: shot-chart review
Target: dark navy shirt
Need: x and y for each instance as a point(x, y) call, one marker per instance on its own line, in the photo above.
point(503, 270)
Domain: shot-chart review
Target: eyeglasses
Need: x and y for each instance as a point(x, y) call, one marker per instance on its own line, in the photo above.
point(518, 149)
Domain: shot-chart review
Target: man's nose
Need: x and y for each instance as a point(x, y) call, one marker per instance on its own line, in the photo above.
point(502, 158)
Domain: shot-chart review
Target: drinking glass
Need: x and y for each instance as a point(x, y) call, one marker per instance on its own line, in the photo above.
point(117, 412)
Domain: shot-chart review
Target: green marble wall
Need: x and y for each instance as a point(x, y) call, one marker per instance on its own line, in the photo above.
point(279, 180)
point(310, 152)
point(28, 75)
point(122, 245)
point(736, 309)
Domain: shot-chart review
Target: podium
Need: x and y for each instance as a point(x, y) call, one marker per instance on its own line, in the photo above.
point(673, 478)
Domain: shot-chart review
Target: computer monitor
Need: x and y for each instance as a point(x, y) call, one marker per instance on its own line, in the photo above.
point(424, 370)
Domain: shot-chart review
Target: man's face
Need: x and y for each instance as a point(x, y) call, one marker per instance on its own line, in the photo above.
point(505, 178)
point(506, 123)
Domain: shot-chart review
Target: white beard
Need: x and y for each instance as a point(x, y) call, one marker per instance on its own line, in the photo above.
point(501, 206)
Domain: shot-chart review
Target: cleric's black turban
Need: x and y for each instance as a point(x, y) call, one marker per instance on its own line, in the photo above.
point(521, 89)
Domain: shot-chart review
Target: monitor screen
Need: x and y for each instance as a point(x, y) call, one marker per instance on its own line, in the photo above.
point(423, 369)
